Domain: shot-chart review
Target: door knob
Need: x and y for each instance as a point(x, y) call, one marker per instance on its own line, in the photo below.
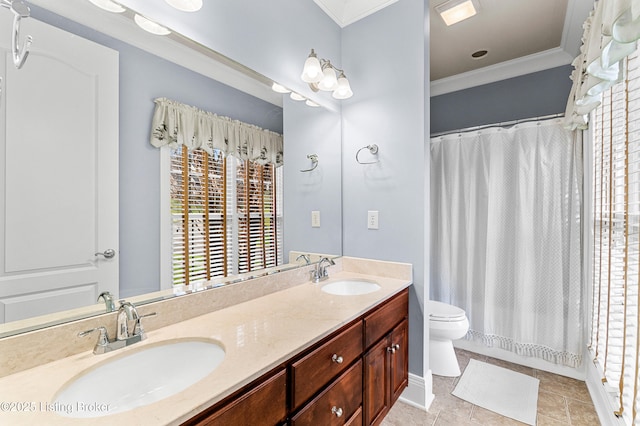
point(108, 253)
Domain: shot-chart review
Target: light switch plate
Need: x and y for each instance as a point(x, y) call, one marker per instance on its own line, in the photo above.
point(315, 219)
point(372, 219)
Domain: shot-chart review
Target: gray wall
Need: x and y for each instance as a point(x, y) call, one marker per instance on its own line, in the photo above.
point(384, 55)
point(144, 77)
point(312, 131)
point(271, 37)
point(532, 95)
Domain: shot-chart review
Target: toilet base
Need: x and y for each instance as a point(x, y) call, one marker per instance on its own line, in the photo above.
point(442, 358)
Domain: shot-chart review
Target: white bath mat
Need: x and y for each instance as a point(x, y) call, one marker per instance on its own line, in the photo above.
point(500, 390)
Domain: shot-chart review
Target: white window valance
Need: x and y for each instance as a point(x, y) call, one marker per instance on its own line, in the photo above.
point(176, 124)
point(610, 35)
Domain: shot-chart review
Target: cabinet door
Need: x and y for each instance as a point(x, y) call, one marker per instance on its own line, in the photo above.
point(376, 383)
point(399, 360)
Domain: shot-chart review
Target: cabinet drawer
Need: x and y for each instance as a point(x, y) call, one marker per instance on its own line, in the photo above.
point(343, 396)
point(317, 368)
point(380, 322)
point(266, 404)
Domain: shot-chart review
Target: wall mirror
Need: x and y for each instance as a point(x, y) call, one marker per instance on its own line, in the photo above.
point(147, 68)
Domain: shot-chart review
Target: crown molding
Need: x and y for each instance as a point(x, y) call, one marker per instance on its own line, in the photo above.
point(525, 65)
point(577, 13)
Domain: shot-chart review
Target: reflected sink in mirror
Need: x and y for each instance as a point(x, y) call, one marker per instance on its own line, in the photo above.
point(139, 378)
point(350, 287)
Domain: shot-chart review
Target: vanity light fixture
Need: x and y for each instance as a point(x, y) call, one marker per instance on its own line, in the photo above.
point(185, 5)
point(310, 103)
point(320, 74)
point(454, 11)
point(297, 96)
point(279, 88)
point(150, 26)
point(108, 5)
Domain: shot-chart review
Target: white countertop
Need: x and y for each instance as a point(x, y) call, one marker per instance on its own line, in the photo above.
point(257, 336)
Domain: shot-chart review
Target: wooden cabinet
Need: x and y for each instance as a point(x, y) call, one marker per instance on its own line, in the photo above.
point(386, 362)
point(337, 404)
point(352, 378)
point(262, 403)
point(313, 371)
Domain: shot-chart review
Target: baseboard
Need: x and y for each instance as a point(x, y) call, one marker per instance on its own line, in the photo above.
point(419, 392)
point(602, 400)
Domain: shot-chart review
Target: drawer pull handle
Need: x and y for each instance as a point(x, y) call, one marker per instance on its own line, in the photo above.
point(337, 359)
point(337, 411)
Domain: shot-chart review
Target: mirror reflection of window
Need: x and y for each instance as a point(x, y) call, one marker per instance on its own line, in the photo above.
point(226, 218)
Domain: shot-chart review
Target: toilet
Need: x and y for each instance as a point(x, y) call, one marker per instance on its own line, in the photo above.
point(446, 323)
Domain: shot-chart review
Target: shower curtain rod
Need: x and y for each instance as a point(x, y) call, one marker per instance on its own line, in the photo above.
point(503, 124)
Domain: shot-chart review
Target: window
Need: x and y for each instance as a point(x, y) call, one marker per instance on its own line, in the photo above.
point(226, 215)
point(614, 343)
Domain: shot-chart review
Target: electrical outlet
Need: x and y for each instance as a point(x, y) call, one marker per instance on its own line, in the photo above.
point(372, 219)
point(315, 219)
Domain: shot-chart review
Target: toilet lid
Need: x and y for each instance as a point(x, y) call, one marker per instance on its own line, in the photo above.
point(439, 311)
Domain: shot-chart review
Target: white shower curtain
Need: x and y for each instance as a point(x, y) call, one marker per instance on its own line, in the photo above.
point(506, 236)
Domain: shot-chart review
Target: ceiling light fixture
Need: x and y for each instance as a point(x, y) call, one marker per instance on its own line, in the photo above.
point(185, 5)
point(320, 74)
point(108, 5)
point(150, 26)
point(454, 11)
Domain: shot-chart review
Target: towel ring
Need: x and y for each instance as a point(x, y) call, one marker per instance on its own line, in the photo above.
point(314, 162)
point(373, 149)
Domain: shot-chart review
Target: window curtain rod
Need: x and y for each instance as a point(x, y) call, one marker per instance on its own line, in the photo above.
point(504, 124)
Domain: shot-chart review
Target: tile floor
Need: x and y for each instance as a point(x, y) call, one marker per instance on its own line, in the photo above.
point(561, 401)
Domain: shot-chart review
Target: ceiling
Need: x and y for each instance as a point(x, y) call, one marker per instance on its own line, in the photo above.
point(521, 36)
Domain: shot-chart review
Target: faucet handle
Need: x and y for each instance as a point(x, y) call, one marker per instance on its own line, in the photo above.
point(103, 339)
point(138, 329)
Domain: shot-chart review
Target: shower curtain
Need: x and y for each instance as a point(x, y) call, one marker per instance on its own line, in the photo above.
point(506, 236)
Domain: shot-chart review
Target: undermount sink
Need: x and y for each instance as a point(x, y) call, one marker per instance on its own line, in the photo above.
point(350, 287)
point(138, 378)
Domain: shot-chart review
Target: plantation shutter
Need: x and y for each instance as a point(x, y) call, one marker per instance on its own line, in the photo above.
point(615, 127)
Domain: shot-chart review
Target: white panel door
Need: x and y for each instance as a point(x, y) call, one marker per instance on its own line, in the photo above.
point(58, 172)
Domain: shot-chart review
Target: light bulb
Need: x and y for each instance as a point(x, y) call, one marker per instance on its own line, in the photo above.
point(150, 26)
point(312, 71)
point(329, 80)
point(296, 96)
point(344, 88)
point(185, 5)
point(278, 88)
point(108, 5)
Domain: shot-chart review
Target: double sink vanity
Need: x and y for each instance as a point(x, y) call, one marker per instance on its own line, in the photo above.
point(295, 353)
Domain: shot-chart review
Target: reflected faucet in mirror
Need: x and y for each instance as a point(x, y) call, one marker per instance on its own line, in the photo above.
point(306, 258)
point(127, 312)
point(107, 298)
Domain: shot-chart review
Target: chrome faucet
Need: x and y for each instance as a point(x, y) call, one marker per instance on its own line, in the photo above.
point(127, 312)
point(306, 258)
point(107, 298)
point(321, 273)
